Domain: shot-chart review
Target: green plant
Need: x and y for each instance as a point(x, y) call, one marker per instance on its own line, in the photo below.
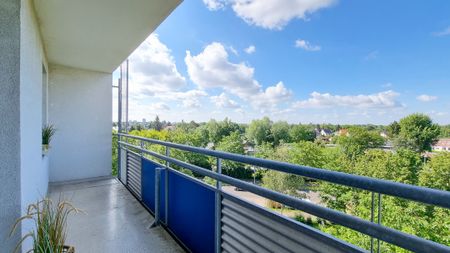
point(49, 233)
point(47, 133)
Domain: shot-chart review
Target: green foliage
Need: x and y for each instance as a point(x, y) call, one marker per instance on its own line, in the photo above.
point(280, 132)
point(417, 132)
point(307, 153)
point(393, 129)
point(157, 124)
point(217, 130)
point(259, 132)
point(47, 133)
point(115, 157)
point(191, 138)
point(302, 133)
point(233, 144)
point(445, 131)
point(282, 182)
point(436, 173)
point(358, 141)
point(49, 221)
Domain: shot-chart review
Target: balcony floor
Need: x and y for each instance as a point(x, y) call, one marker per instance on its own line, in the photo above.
point(114, 221)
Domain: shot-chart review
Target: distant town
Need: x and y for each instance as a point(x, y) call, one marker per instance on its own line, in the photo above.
point(326, 134)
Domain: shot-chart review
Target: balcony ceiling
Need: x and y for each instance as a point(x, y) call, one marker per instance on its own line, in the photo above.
point(97, 35)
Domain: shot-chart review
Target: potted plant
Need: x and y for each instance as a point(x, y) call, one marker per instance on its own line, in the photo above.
point(49, 221)
point(47, 133)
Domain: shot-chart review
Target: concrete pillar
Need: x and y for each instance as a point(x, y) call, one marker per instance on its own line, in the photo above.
point(10, 200)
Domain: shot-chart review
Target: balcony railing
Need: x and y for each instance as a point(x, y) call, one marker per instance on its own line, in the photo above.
point(207, 219)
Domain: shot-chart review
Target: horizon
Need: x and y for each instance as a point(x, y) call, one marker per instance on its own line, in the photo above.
point(323, 61)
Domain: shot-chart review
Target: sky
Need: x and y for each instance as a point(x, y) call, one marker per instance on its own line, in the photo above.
point(302, 61)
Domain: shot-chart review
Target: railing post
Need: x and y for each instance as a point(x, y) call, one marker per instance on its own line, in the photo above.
point(119, 158)
point(379, 220)
point(156, 222)
point(218, 209)
point(372, 216)
point(166, 189)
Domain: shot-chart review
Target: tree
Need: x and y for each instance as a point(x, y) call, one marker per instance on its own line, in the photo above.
point(280, 132)
point(258, 131)
point(307, 153)
point(445, 131)
point(358, 141)
point(191, 138)
point(233, 144)
point(436, 173)
point(218, 130)
point(393, 129)
point(279, 181)
point(417, 132)
point(157, 123)
point(302, 133)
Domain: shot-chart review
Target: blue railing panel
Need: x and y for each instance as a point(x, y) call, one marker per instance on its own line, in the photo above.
point(191, 212)
point(148, 186)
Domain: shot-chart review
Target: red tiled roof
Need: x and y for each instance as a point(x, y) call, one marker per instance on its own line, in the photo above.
point(442, 143)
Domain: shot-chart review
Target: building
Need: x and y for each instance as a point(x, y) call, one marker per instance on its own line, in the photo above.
point(57, 62)
point(442, 145)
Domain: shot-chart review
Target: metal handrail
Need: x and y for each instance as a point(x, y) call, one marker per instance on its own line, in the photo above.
point(406, 191)
point(404, 240)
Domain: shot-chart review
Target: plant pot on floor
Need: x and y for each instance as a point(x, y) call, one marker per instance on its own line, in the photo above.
point(68, 249)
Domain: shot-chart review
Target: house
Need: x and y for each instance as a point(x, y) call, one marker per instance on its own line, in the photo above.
point(342, 132)
point(249, 148)
point(326, 132)
point(169, 128)
point(384, 134)
point(442, 145)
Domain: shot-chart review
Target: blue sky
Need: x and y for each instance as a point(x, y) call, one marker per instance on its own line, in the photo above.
point(296, 60)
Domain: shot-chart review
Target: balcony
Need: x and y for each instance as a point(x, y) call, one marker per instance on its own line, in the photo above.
point(113, 220)
point(205, 218)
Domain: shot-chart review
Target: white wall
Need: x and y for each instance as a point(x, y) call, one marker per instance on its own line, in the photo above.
point(80, 109)
point(34, 171)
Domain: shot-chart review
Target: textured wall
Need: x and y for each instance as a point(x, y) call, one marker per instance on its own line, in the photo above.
point(10, 120)
point(34, 173)
point(80, 108)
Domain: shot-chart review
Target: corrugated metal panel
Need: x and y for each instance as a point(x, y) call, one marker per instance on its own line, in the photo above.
point(248, 228)
point(134, 173)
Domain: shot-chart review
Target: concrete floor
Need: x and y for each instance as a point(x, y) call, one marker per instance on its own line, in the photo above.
point(114, 221)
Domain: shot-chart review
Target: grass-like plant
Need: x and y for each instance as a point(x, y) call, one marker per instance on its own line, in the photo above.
point(49, 233)
point(47, 133)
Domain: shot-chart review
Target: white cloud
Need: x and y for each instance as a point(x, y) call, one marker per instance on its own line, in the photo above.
point(444, 32)
point(386, 99)
point(250, 49)
point(272, 96)
point(233, 50)
point(212, 69)
point(159, 107)
point(270, 14)
point(222, 101)
point(153, 69)
point(189, 99)
point(153, 73)
point(214, 4)
point(426, 98)
point(303, 44)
